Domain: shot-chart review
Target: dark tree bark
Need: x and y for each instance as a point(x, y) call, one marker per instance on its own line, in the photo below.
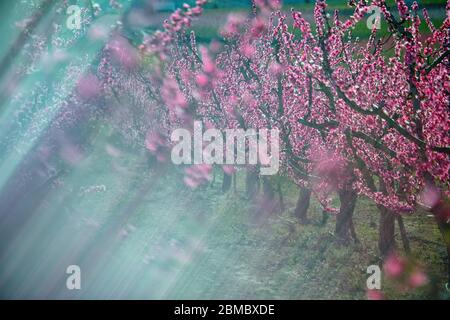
point(386, 231)
point(353, 231)
point(214, 178)
point(403, 234)
point(301, 209)
point(226, 183)
point(268, 203)
point(386, 228)
point(268, 191)
point(325, 217)
point(280, 196)
point(344, 218)
point(251, 183)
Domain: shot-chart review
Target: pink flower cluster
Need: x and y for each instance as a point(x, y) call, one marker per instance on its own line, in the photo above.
point(406, 273)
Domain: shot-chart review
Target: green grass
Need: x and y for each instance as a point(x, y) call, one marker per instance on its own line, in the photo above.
point(147, 236)
point(203, 244)
point(360, 30)
point(215, 5)
point(207, 33)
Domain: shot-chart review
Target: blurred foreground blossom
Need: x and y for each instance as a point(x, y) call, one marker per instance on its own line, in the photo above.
point(374, 295)
point(394, 266)
point(157, 145)
point(430, 196)
point(228, 169)
point(405, 273)
point(88, 86)
point(98, 32)
point(417, 279)
point(197, 175)
point(50, 60)
point(123, 52)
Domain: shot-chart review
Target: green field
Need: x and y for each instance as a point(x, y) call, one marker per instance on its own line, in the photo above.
point(208, 31)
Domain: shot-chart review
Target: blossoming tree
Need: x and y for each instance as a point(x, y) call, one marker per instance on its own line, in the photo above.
point(352, 119)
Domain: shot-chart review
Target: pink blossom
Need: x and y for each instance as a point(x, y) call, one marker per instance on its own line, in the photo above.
point(374, 295)
point(417, 279)
point(430, 196)
point(275, 68)
point(394, 266)
point(98, 32)
point(123, 52)
point(258, 27)
point(202, 80)
point(248, 50)
point(233, 25)
point(229, 169)
point(157, 145)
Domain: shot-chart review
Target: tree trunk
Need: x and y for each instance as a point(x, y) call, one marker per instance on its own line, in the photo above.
point(301, 209)
point(268, 202)
point(386, 232)
point(268, 191)
point(325, 217)
point(214, 178)
point(280, 195)
point(353, 232)
point(403, 234)
point(440, 212)
point(226, 183)
point(344, 218)
point(386, 229)
point(251, 183)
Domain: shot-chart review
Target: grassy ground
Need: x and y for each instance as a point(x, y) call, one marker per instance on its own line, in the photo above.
point(334, 4)
point(253, 257)
point(207, 27)
point(140, 233)
point(215, 17)
point(145, 235)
